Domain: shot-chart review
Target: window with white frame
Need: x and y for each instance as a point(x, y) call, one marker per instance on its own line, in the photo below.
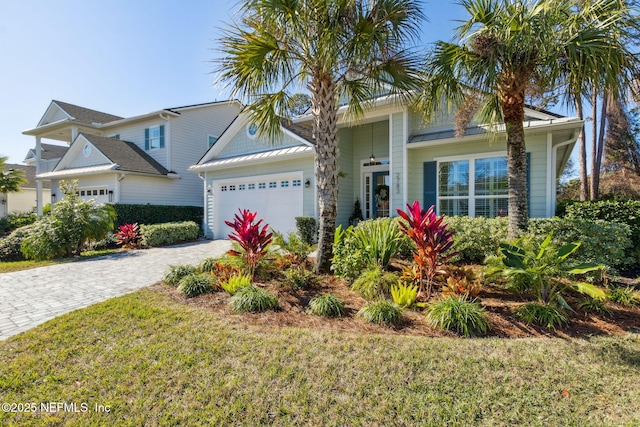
point(154, 137)
point(473, 187)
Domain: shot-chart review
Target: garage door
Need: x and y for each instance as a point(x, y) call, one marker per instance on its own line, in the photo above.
point(277, 199)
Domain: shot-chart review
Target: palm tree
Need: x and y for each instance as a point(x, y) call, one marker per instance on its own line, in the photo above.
point(10, 180)
point(341, 51)
point(508, 49)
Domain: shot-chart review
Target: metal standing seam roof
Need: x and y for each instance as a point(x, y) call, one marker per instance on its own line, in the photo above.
point(253, 157)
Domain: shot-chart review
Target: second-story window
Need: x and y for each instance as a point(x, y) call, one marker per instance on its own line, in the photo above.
point(154, 137)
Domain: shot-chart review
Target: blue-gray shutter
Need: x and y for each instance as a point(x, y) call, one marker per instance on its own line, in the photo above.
point(161, 136)
point(146, 139)
point(429, 183)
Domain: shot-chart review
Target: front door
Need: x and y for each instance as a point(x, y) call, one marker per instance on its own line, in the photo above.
point(380, 194)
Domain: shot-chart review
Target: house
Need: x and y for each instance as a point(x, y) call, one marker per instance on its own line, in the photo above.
point(388, 159)
point(25, 200)
point(141, 159)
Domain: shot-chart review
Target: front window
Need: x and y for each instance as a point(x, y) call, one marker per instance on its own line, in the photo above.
point(477, 187)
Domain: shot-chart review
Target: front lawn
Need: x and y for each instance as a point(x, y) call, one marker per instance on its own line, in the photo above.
point(7, 267)
point(152, 360)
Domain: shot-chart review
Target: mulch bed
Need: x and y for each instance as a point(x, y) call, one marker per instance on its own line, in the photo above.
point(498, 302)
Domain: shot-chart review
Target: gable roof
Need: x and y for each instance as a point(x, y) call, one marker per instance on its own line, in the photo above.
point(29, 175)
point(86, 115)
point(127, 155)
point(49, 152)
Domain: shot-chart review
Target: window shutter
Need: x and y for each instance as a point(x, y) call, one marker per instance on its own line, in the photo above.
point(146, 139)
point(429, 182)
point(161, 136)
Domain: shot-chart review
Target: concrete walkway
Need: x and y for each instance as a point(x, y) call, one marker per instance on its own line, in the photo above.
point(31, 297)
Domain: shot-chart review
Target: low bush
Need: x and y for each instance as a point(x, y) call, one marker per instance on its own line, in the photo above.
point(326, 306)
point(194, 284)
point(548, 316)
point(207, 265)
point(476, 238)
point(307, 229)
point(382, 312)
point(16, 220)
point(156, 214)
point(292, 244)
point(253, 299)
point(623, 295)
point(177, 272)
point(169, 233)
point(374, 283)
point(128, 236)
point(370, 243)
point(459, 315)
point(596, 306)
point(109, 242)
point(298, 278)
point(10, 245)
point(404, 295)
point(235, 283)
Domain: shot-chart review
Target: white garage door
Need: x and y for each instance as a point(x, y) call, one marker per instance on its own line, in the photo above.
point(277, 199)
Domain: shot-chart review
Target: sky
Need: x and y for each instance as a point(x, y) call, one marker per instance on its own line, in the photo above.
point(123, 57)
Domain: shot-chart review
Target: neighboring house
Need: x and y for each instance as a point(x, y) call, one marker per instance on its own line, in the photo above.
point(135, 160)
point(389, 159)
point(50, 155)
point(25, 200)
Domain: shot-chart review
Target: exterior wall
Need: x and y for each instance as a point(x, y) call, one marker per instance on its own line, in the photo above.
point(95, 158)
point(24, 201)
point(103, 180)
point(305, 165)
point(241, 143)
point(536, 145)
point(396, 169)
point(140, 189)
point(347, 192)
point(135, 133)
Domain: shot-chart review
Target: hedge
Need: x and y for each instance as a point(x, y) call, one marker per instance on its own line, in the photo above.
point(156, 214)
point(168, 233)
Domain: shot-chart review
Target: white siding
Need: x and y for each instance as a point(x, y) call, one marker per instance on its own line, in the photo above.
point(242, 144)
point(135, 133)
point(95, 158)
point(140, 189)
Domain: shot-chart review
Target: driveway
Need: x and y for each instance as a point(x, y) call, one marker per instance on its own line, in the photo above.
point(31, 297)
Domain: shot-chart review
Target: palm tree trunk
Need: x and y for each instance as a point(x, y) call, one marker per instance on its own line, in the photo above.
point(517, 171)
point(594, 147)
point(597, 160)
point(324, 109)
point(582, 144)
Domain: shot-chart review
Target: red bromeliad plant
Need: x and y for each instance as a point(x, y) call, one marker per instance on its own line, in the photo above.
point(433, 241)
point(251, 236)
point(128, 235)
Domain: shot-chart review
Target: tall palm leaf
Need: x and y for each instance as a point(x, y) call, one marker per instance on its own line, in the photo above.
point(507, 49)
point(341, 51)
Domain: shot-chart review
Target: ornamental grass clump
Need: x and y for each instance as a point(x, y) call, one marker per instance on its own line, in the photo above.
point(326, 306)
point(252, 237)
point(382, 312)
point(194, 284)
point(433, 240)
point(624, 296)
point(253, 299)
point(177, 272)
point(374, 283)
point(459, 315)
point(548, 316)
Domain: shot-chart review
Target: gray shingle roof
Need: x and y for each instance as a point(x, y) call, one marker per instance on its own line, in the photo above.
point(127, 155)
point(86, 115)
point(29, 175)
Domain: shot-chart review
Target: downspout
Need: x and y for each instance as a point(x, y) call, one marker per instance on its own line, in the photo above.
point(205, 205)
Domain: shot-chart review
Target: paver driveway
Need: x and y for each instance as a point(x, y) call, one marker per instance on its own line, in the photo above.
point(31, 297)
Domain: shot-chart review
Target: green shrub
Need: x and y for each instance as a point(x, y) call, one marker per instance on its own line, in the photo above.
point(381, 312)
point(235, 283)
point(208, 265)
point(292, 244)
point(623, 295)
point(326, 305)
point(404, 294)
point(476, 238)
point(16, 220)
point(156, 214)
point(370, 243)
point(194, 284)
point(253, 299)
point(374, 283)
point(177, 272)
point(298, 278)
point(10, 245)
point(169, 233)
point(459, 315)
point(70, 225)
point(307, 229)
point(623, 212)
point(548, 316)
point(109, 242)
point(591, 305)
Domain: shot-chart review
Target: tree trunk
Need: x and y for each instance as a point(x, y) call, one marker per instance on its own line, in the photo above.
point(324, 109)
point(582, 144)
point(513, 111)
point(594, 147)
point(597, 159)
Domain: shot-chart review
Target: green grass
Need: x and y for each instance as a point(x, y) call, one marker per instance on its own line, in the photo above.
point(157, 362)
point(8, 267)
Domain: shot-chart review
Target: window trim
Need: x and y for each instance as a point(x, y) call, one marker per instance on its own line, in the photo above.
point(209, 144)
